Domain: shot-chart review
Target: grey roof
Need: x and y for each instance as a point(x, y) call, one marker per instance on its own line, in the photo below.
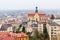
point(35, 25)
point(53, 23)
point(4, 27)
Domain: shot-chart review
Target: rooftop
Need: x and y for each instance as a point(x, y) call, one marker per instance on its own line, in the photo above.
point(39, 13)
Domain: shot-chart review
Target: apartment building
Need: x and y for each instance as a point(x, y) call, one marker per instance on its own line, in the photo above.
point(53, 29)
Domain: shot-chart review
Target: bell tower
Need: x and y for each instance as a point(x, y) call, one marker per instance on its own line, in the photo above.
point(36, 9)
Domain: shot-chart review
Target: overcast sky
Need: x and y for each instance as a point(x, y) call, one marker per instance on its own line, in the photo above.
point(29, 4)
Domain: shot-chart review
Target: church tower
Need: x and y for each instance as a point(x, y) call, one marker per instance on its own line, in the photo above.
point(36, 9)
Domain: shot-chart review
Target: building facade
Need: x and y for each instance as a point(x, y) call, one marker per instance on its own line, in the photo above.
point(39, 17)
point(54, 30)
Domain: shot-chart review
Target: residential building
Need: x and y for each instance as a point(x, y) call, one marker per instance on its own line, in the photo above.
point(53, 28)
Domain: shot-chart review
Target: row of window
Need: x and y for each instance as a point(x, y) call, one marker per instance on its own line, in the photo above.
point(53, 35)
point(53, 27)
point(53, 32)
point(40, 18)
point(22, 38)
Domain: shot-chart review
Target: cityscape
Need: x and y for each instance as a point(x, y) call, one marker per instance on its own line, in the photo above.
point(30, 24)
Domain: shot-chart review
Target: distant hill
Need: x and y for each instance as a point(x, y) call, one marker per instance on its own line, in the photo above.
point(24, 12)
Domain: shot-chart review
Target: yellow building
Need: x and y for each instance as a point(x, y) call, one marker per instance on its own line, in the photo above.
point(21, 36)
point(39, 17)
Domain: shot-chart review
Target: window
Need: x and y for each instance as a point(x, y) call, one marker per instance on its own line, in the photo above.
point(33, 20)
point(36, 19)
point(51, 35)
point(54, 27)
point(40, 26)
point(51, 32)
point(54, 30)
point(55, 33)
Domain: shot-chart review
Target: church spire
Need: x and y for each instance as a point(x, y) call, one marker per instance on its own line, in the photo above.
point(36, 9)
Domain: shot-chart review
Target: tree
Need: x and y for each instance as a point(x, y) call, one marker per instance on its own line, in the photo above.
point(23, 29)
point(35, 36)
point(14, 29)
point(38, 36)
point(18, 30)
point(46, 35)
point(52, 17)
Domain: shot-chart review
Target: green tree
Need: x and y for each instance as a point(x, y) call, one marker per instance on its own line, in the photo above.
point(23, 29)
point(38, 36)
point(35, 36)
point(52, 17)
point(18, 30)
point(45, 32)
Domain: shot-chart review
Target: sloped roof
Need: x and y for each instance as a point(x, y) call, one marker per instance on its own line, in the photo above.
point(4, 33)
point(21, 34)
point(7, 38)
point(33, 13)
point(53, 23)
point(18, 34)
point(5, 26)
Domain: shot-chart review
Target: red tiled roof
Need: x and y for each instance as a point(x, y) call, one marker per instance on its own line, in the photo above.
point(7, 38)
point(18, 34)
point(40, 14)
point(16, 22)
point(21, 35)
point(11, 36)
point(31, 14)
point(4, 33)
